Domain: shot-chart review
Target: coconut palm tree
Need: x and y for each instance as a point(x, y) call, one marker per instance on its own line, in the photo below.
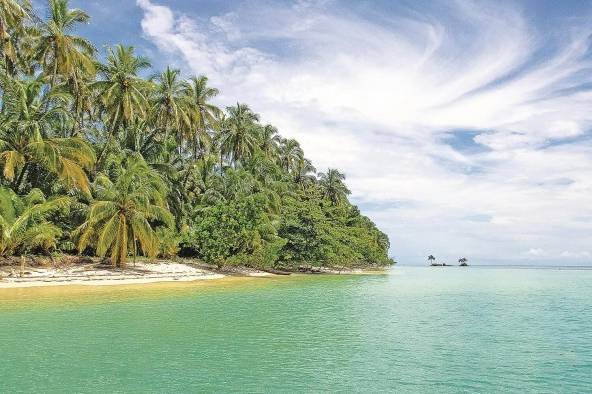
point(463, 261)
point(140, 138)
point(238, 135)
point(159, 142)
point(84, 97)
point(200, 181)
point(24, 223)
point(332, 186)
point(203, 116)
point(431, 259)
point(60, 52)
point(122, 92)
point(12, 12)
point(12, 15)
point(270, 141)
point(168, 112)
point(290, 153)
point(27, 124)
point(304, 173)
point(125, 212)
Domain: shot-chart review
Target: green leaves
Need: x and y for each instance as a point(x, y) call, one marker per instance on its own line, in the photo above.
point(24, 222)
point(332, 186)
point(238, 133)
point(27, 137)
point(241, 226)
point(324, 235)
point(125, 213)
point(137, 165)
point(60, 53)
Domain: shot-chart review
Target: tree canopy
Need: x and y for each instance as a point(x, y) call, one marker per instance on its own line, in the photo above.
point(98, 157)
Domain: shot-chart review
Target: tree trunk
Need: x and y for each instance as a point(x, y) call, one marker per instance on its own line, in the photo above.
point(19, 180)
point(103, 151)
point(55, 71)
point(135, 250)
point(23, 265)
point(109, 140)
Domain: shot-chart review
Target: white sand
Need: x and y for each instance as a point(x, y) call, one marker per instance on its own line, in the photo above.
point(87, 274)
point(259, 274)
point(143, 272)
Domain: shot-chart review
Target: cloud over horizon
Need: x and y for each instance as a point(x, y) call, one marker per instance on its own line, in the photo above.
point(463, 127)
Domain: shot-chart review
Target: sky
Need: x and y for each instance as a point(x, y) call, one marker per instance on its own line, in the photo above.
point(463, 127)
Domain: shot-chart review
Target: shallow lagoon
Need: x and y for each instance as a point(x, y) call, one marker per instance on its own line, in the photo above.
point(441, 330)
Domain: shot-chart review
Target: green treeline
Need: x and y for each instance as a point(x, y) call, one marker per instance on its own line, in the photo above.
point(96, 159)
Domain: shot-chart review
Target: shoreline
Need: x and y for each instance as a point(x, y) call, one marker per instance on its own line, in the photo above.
point(92, 273)
point(104, 282)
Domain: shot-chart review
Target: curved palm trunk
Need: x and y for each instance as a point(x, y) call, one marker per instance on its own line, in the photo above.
point(121, 251)
point(19, 180)
point(135, 247)
point(55, 71)
point(107, 143)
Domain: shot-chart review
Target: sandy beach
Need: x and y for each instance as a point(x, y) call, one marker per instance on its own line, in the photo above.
point(72, 270)
point(98, 275)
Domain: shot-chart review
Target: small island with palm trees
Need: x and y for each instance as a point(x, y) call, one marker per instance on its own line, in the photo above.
point(463, 262)
point(103, 160)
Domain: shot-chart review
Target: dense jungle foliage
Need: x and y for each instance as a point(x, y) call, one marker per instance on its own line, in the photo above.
point(107, 158)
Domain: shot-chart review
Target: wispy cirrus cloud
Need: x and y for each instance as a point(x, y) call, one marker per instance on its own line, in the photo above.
point(397, 99)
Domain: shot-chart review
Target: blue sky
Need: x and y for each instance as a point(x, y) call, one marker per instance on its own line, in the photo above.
point(463, 126)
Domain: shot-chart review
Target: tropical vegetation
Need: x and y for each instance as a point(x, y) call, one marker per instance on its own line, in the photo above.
point(101, 155)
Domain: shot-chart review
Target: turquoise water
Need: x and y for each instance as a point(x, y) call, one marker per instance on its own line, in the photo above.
point(429, 330)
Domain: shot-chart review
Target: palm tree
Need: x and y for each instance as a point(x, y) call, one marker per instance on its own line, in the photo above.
point(122, 91)
point(27, 124)
point(238, 134)
point(236, 183)
point(200, 181)
point(463, 261)
point(61, 53)
point(270, 141)
point(431, 259)
point(218, 139)
point(12, 14)
point(290, 154)
point(24, 224)
point(168, 111)
point(332, 186)
point(84, 97)
point(303, 173)
point(140, 138)
point(158, 142)
point(125, 212)
point(203, 115)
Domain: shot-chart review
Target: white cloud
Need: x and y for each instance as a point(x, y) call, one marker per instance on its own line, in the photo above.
point(227, 24)
point(536, 252)
point(576, 255)
point(377, 98)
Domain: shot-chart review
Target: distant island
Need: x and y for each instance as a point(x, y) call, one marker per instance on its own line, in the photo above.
point(100, 155)
point(463, 262)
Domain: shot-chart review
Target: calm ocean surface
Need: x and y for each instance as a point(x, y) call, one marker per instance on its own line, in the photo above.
point(428, 330)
